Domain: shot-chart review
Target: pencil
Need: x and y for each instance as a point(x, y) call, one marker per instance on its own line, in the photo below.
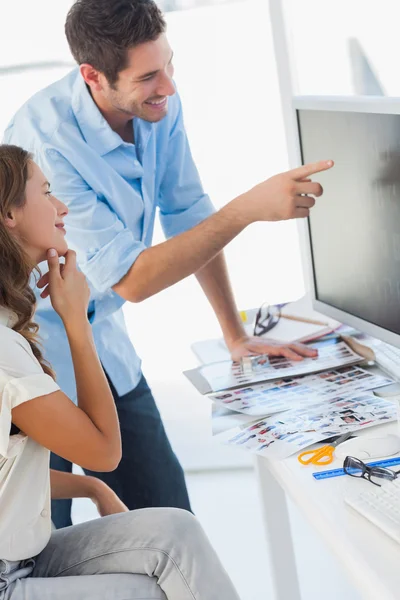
point(304, 320)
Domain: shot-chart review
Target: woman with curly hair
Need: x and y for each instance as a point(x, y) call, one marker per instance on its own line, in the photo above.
point(153, 553)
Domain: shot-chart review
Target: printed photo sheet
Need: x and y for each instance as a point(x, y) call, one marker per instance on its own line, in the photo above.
point(296, 392)
point(279, 436)
point(226, 375)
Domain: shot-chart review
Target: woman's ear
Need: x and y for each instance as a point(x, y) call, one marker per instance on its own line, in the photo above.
point(10, 220)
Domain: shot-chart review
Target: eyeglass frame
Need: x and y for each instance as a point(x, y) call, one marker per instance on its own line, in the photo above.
point(368, 472)
point(272, 320)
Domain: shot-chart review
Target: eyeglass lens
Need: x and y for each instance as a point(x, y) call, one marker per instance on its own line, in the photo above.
point(267, 318)
point(356, 468)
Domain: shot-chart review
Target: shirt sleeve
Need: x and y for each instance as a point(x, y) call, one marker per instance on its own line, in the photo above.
point(182, 200)
point(21, 379)
point(106, 249)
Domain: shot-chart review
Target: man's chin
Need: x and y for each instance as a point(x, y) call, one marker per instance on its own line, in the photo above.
point(153, 116)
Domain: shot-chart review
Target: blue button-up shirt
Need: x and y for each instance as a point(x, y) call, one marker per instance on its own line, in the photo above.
point(112, 189)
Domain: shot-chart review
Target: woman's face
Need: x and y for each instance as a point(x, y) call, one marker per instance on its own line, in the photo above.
point(39, 225)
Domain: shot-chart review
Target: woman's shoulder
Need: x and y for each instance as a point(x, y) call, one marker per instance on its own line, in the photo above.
point(16, 356)
point(9, 336)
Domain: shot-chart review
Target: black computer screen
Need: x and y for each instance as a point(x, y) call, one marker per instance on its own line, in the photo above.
point(355, 225)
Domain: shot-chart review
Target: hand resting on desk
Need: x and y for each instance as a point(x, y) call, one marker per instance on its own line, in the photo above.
point(248, 345)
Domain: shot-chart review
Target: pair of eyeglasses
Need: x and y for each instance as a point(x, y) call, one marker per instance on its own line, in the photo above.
point(266, 318)
point(356, 468)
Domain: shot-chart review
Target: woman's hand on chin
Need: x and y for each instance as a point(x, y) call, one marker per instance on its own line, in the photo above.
point(43, 282)
point(67, 287)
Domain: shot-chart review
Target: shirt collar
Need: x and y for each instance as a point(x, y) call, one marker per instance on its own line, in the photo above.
point(7, 317)
point(93, 125)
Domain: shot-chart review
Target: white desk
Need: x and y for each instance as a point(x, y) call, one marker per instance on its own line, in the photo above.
point(370, 558)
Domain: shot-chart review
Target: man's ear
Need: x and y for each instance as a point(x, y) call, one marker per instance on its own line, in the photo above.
point(91, 76)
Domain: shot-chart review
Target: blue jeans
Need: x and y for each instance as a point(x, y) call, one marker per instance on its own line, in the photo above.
point(149, 474)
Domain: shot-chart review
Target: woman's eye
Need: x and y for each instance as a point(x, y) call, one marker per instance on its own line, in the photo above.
point(49, 193)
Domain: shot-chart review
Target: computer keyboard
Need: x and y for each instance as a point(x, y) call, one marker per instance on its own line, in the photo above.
point(387, 357)
point(380, 505)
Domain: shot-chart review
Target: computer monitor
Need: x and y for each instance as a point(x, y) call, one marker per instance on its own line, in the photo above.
point(352, 237)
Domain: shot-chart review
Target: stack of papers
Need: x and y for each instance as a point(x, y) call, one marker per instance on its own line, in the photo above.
point(226, 375)
point(279, 436)
point(296, 403)
point(296, 392)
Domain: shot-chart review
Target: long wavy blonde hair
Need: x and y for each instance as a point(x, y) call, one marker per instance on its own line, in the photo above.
point(16, 267)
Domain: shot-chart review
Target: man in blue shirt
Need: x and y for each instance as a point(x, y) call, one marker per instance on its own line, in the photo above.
point(110, 138)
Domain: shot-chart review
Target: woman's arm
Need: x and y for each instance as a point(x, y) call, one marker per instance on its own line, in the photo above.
point(87, 434)
point(68, 485)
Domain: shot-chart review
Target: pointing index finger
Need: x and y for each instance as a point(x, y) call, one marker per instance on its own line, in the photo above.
point(311, 169)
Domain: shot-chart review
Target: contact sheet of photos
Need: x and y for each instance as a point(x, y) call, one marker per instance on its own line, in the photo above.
point(227, 375)
point(279, 436)
point(295, 392)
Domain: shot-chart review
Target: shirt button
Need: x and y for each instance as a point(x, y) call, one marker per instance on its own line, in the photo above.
point(44, 513)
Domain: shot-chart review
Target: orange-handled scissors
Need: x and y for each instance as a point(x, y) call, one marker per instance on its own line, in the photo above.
point(322, 456)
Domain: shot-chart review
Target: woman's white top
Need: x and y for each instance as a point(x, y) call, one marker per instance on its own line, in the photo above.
point(25, 520)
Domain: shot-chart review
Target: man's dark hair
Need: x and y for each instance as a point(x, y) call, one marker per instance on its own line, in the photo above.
point(99, 32)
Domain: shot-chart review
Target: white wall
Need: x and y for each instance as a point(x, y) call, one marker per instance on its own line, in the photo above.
point(324, 35)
